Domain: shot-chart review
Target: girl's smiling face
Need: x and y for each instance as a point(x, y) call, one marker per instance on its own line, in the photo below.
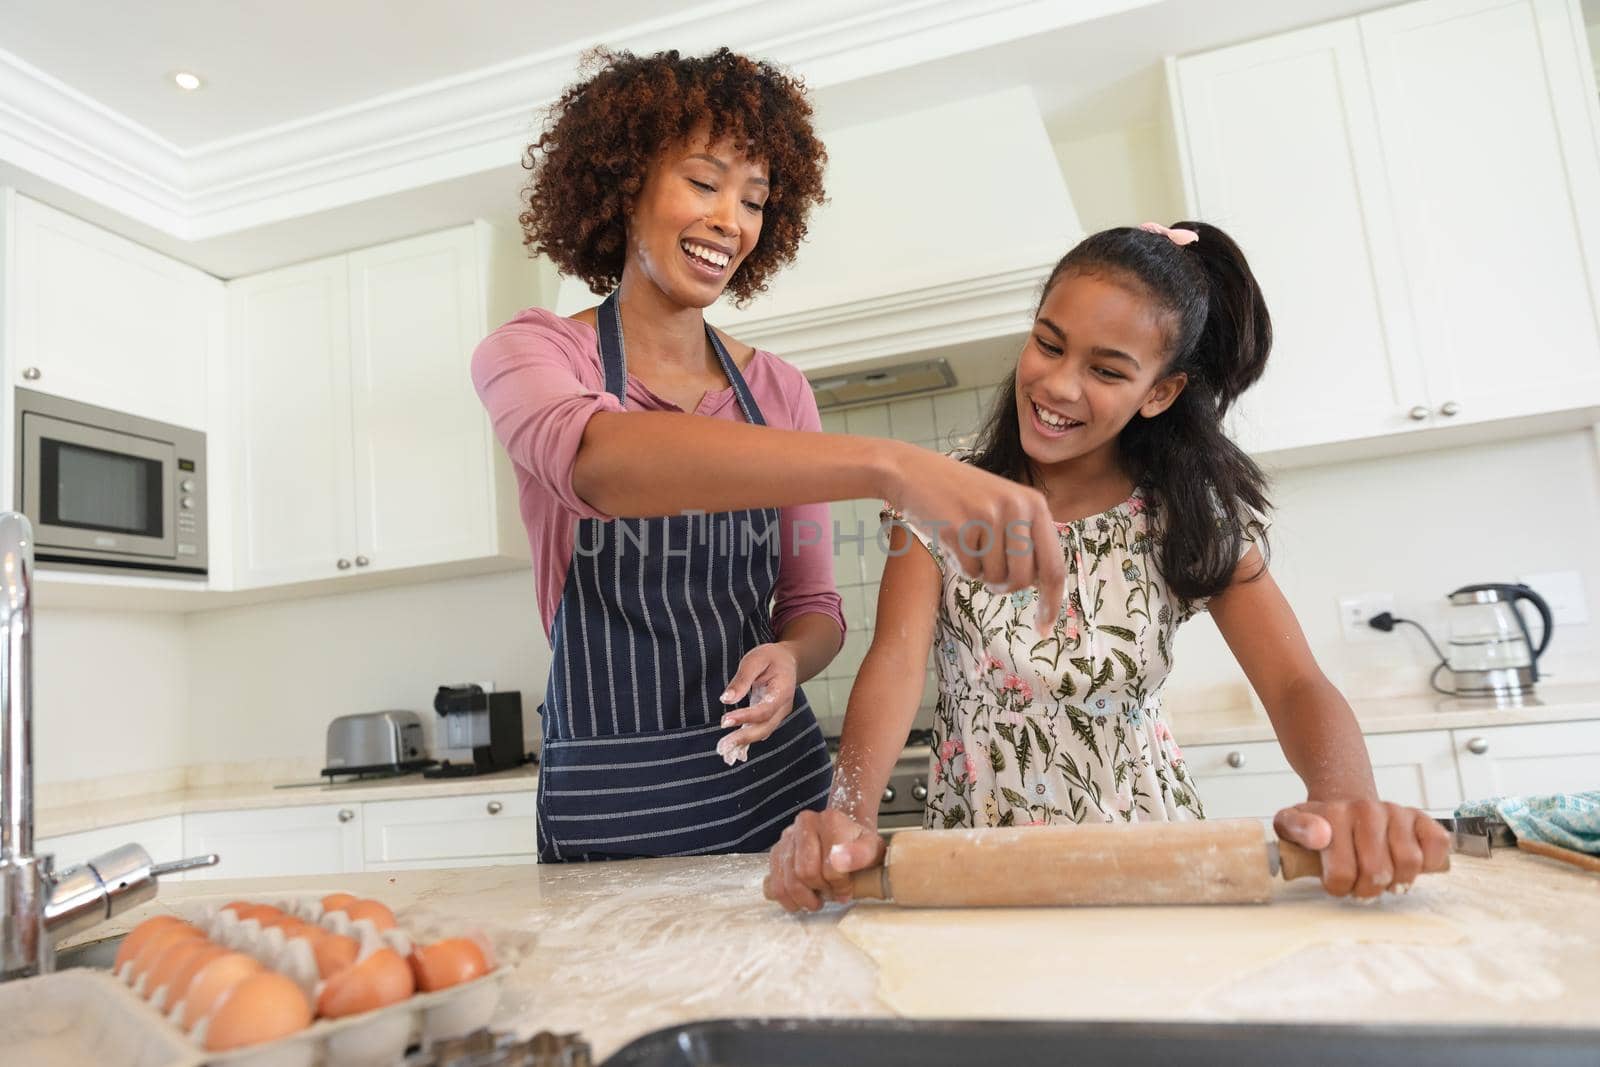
point(696, 218)
point(1094, 361)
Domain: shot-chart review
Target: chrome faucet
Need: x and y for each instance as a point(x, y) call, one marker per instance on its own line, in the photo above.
point(37, 906)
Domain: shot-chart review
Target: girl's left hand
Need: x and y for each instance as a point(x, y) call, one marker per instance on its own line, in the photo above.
point(1367, 846)
point(769, 674)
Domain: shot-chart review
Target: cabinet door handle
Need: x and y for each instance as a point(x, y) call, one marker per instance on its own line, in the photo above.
point(31, 373)
point(1449, 408)
point(1477, 746)
point(495, 807)
point(345, 814)
point(1236, 759)
point(1418, 413)
point(362, 561)
point(344, 564)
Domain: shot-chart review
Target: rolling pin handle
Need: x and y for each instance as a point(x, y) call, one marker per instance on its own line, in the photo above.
point(870, 884)
point(1296, 862)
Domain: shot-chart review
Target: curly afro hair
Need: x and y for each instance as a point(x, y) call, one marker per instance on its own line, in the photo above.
point(603, 134)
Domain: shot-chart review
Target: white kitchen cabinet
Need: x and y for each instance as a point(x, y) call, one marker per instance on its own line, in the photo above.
point(1528, 760)
point(294, 498)
point(1418, 190)
point(1492, 160)
point(161, 837)
point(99, 319)
point(1282, 152)
point(255, 843)
point(464, 831)
point(424, 450)
point(1254, 780)
point(361, 444)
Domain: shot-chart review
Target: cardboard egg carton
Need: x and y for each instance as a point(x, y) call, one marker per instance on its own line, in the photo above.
point(148, 1034)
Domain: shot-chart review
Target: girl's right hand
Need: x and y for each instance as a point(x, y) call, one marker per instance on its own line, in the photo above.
point(995, 529)
point(812, 861)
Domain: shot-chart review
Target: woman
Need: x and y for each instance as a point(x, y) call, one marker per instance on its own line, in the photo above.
point(672, 478)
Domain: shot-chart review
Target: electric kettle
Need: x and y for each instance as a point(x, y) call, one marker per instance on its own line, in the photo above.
point(1491, 651)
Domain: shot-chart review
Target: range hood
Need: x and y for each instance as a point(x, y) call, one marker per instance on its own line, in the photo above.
point(939, 229)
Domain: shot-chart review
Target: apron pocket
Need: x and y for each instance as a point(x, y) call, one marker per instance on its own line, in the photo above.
point(668, 793)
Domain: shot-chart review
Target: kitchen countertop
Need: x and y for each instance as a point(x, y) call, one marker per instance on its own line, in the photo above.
point(1429, 711)
point(71, 807)
point(615, 950)
point(93, 812)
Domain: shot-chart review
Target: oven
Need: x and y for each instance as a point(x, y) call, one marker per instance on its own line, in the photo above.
point(903, 800)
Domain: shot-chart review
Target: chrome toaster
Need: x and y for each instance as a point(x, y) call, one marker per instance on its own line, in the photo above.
point(374, 742)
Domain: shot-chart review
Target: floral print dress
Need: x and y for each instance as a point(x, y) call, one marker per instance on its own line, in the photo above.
point(1032, 730)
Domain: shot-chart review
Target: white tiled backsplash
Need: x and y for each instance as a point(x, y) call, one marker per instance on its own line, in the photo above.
point(939, 422)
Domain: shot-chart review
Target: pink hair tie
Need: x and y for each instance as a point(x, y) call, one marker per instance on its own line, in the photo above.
point(1177, 237)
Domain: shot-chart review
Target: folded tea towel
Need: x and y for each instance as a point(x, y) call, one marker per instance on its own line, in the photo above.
point(1571, 820)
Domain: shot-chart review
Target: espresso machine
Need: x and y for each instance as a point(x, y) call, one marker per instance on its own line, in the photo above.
point(478, 732)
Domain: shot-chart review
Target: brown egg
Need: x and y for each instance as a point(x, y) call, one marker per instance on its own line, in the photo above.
point(213, 982)
point(333, 952)
point(380, 916)
point(171, 962)
point(193, 965)
point(135, 939)
point(157, 943)
point(338, 901)
point(290, 926)
point(382, 978)
point(261, 913)
point(447, 963)
point(263, 1007)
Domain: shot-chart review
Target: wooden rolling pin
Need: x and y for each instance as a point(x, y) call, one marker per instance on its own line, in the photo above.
point(1208, 862)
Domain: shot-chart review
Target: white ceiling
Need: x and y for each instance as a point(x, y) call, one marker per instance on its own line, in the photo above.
point(269, 63)
point(327, 126)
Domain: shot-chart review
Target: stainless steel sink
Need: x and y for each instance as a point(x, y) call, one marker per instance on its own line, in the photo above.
point(99, 954)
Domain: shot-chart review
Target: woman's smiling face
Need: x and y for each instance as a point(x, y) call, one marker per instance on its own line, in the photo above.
point(1094, 361)
point(696, 218)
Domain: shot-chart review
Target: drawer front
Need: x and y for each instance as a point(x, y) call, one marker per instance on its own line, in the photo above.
point(1530, 760)
point(1255, 780)
point(491, 827)
point(161, 837)
point(1249, 780)
point(260, 842)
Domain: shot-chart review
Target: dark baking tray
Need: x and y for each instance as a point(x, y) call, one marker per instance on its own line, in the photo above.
point(909, 1043)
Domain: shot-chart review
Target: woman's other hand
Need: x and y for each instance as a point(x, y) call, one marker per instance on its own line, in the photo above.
point(768, 674)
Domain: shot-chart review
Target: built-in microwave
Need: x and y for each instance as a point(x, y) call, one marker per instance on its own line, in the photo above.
point(109, 491)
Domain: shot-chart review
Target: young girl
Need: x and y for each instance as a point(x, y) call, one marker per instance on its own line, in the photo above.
point(671, 478)
point(1142, 340)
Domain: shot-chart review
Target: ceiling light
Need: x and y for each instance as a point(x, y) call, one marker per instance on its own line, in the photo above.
point(186, 80)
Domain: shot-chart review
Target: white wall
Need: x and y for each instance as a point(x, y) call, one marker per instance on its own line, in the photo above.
point(1419, 526)
point(1122, 177)
point(265, 681)
point(110, 694)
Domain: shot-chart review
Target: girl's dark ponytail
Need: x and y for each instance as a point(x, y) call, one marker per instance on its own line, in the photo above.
point(1207, 493)
point(1233, 343)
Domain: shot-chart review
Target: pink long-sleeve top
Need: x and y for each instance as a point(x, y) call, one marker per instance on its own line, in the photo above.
point(540, 378)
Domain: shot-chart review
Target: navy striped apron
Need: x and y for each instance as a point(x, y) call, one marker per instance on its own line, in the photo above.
point(654, 618)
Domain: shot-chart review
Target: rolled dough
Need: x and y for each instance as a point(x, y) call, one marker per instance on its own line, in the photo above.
point(1045, 963)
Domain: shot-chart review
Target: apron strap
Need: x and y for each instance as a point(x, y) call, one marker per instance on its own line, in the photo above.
point(614, 361)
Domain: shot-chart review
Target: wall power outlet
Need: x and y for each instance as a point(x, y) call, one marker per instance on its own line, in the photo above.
point(1356, 609)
